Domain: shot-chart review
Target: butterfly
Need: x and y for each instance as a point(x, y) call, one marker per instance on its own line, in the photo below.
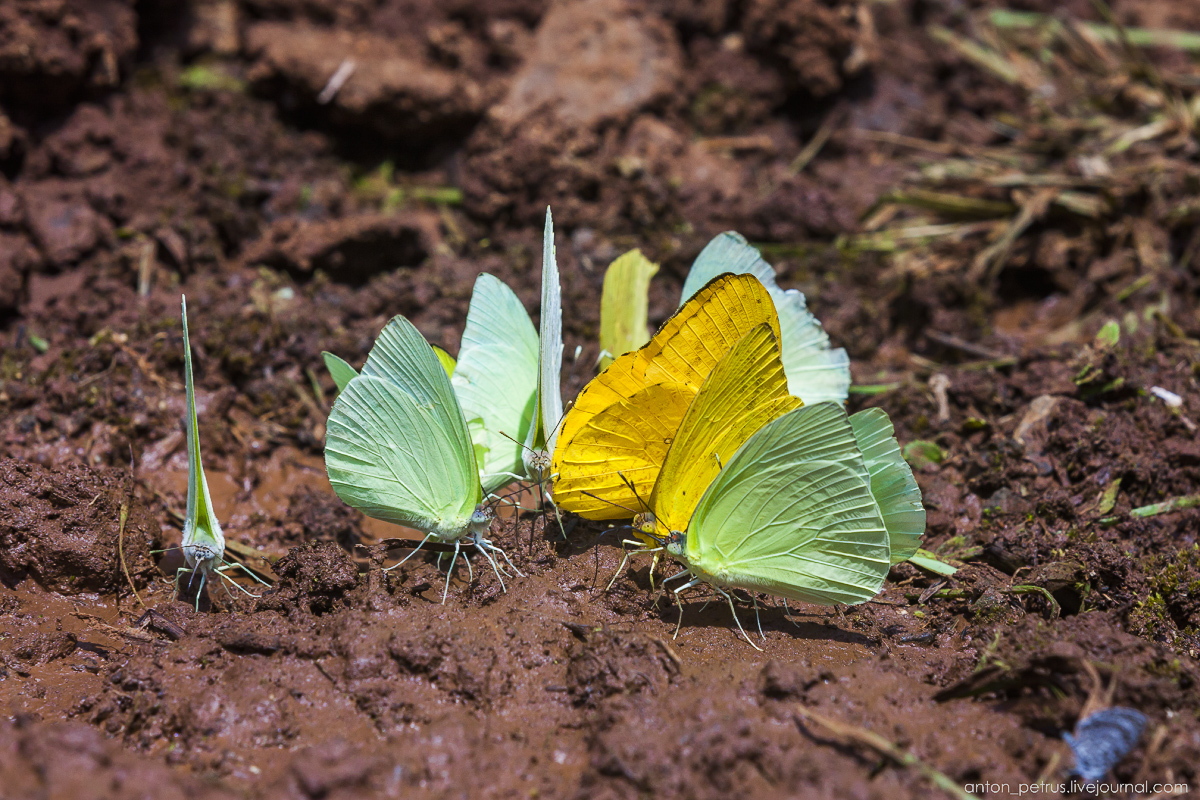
point(1103, 738)
point(614, 438)
point(762, 493)
point(507, 376)
point(815, 371)
point(623, 305)
point(397, 447)
point(203, 543)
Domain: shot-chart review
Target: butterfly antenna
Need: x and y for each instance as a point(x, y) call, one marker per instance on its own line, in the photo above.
point(514, 441)
point(561, 417)
point(610, 502)
point(632, 488)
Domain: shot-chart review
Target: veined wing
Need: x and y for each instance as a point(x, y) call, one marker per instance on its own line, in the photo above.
point(624, 304)
point(495, 378)
point(550, 342)
point(892, 482)
point(684, 351)
point(341, 371)
point(746, 390)
point(402, 357)
point(792, 514)
point(200, 527)
point(815, 372)
point(623, 445)
point(394, 458)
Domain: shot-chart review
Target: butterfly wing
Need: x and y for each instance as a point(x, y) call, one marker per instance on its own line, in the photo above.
point(623, 445)
point(341, 371)
point(892, 482)
point(496, 378)
point(815, 372)
point(624, 305)
point(393, 458)
point(201, 531)
point(746, 390)
point(792, 514)
point(550, 352)
point(684, 351)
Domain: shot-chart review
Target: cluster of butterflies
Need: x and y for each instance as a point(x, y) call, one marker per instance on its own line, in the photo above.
point(722, 439)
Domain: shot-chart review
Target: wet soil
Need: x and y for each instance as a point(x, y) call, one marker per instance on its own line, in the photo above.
point(154, 148)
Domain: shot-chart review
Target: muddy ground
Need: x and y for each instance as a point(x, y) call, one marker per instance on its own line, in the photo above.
point(156, 147)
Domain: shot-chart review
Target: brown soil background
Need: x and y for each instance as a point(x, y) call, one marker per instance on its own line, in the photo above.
point(181, 145)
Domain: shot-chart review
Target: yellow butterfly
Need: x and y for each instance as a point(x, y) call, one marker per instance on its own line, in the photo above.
point(614, 440)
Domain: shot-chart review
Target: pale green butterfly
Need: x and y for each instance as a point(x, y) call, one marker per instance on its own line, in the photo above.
point(815, 372)
point(548, 412)
point(203, 543)
point(791, 514)
point(397, 447)
point(506, 378)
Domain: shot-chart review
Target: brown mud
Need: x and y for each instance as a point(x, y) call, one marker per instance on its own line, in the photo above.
point(151, 148)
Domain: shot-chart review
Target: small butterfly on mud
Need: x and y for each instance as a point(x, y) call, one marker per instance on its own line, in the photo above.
point(203, 542)
point(1103, 738)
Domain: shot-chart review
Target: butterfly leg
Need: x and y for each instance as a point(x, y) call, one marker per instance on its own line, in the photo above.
point(548, 498)
point(678, 624)
point(245, 569)
point(679, 575)
point(679, 602)
point(178, 572)
point(236, 585)
point(482, 546)
point(449, 572)
point(757, 618)
point(729, 597)
point(410, 555)
point(624, 561)
point(507, 560)
point(657, 553)
point(200, 591)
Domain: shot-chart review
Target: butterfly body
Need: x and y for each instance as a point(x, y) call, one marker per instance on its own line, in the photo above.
point(397, 446)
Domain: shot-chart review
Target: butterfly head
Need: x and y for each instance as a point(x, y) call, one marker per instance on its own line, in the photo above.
point(676, 542)
point(537, 462)
point(201, 557)
point(481, 519)
point(645, 523)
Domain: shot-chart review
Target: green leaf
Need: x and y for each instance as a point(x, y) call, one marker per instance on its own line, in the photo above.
point(927, 560)
point(921, 453)
point(1109, 335)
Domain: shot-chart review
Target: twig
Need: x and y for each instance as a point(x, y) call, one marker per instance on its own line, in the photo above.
point(337, 80)
point(1143, 37)
point(888, 750)
point(989, 262)
point(817, 142)
point(1029, 588)
point(124, 516)
point(157, 622)
point(950, 340)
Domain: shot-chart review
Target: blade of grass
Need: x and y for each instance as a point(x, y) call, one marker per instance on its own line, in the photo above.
point(888, 750)
point(1142, 37)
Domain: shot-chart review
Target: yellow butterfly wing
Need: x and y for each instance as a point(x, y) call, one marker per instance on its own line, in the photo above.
point(681, 354)
point(746, 390)
point(623, 305)
point(622, 446)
